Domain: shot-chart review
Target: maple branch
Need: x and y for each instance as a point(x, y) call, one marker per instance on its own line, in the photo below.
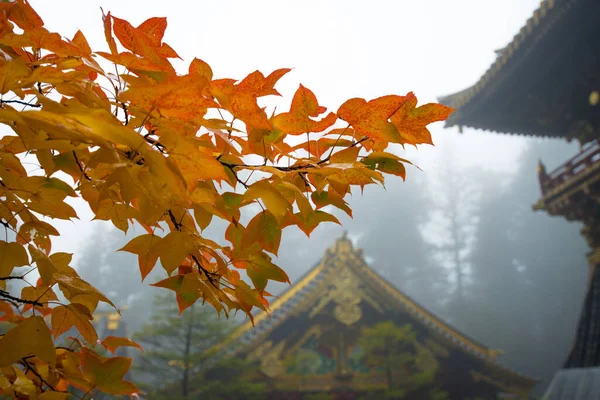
point(37, 374)
point(15, 305)
point(154, 142)
point(174, 220)
point(306, 183)
point(290, 168)
point(211, 276)
point(6, 278)
point(237, 178)
point(81, 167)
point(65, 348)
point(124, 107)
point(6, 295)
point(323, 161)
point(336, 141)
point(23, 103)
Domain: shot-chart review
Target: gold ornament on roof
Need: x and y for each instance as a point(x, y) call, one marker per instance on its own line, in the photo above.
point(594, 98)
point(346, 294)
point(271, 363)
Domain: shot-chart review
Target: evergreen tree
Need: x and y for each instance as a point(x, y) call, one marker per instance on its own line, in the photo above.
point(175, 356)
point(393, 350)
point(529, 269)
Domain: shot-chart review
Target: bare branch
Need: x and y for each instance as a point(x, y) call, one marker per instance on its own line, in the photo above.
point(23, 103)
point(6, 295)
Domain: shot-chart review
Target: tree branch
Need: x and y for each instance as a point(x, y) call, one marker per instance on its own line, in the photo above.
point(23, 103)
point(7, 278)
point(81, 167)
point(6, 295)
point(124, 107)
point(37, 374)
point(291, 168)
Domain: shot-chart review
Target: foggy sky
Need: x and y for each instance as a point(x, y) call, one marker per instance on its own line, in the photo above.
point(338, 49)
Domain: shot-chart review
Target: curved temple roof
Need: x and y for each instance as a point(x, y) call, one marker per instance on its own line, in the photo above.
point(540, 82)
point(307, 290)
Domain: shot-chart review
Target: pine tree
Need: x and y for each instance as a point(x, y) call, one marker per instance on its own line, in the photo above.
point(175, 354)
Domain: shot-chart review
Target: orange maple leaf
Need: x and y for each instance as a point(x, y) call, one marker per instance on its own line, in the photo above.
point(297, 121)
point(372, 118)
point(412, 122)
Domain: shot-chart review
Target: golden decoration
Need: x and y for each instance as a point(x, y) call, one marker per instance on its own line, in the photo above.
point(594, 98)
point(271, 363)
point(345, 292)
point(347, 309)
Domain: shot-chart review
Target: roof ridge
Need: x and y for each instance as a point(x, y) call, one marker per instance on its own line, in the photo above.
point(486, 354)
point(532, 25)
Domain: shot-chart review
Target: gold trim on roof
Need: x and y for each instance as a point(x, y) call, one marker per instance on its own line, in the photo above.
point(343, 257)
point(277, 304)
point(415, 308)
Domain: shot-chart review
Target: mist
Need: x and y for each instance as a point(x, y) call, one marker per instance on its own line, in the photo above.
point(459, 236)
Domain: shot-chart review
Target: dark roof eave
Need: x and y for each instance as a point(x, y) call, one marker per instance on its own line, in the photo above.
point(536, 27)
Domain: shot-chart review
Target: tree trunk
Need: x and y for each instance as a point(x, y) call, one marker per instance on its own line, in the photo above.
point(186, 354)
point(457, 243)
point(388, 367)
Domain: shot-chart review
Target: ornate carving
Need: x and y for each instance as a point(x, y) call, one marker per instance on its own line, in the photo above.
point(270, 358)
point(344, 289)
point(347, 297)
point(271, 363)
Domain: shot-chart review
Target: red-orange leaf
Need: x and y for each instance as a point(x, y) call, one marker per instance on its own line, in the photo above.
point(81, 42)
point(107, 20)
point(73, 315)
point(145, 248)
point(201, 68)
point(258, 85)
point(372, 119)
point(107, 374)
point(412, 122)
point(125, 32)
point(154, 28)
point(112, 343)
point(22, 14)
point(297, 120)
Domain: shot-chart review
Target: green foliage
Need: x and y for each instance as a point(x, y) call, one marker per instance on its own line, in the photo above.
point(175, 356)
point(319, 396)
point(387, 345)
point(394, 350)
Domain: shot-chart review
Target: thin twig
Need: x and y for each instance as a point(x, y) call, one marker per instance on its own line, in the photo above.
point(81, 167)
point(23, 103)
point(15, 305)
point(237, 178)
point(291, 168)
point(124, 107)
point(211, 276)
point(8, 278)
point(37, 374)
point(6, 295)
